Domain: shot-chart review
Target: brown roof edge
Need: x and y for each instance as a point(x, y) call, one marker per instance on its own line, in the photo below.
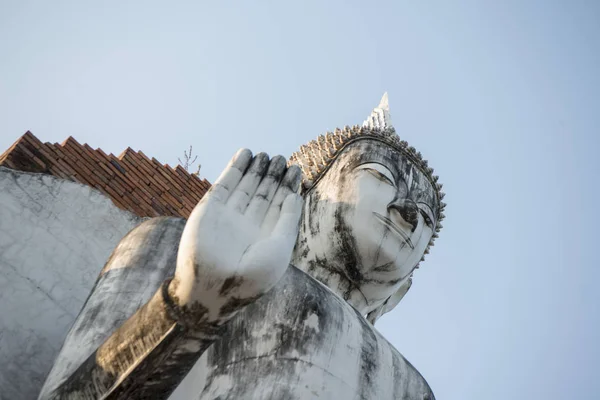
point(23, 155)
point(124, 152)
point(72, 140)
point(133, 181)
point(4, 155)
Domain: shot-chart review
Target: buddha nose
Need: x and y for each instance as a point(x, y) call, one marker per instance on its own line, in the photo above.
point(408, 210)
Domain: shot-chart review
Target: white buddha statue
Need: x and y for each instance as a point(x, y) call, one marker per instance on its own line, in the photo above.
point(270, 290)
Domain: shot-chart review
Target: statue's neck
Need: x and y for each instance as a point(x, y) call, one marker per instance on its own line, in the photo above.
point(332, 275)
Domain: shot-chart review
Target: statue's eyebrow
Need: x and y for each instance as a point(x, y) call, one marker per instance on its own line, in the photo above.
point(386, 163)
point(392, 171)
point(391, 161)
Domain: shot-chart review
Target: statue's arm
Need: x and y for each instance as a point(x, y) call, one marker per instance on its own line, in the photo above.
point(234, 248)
point(146, 357)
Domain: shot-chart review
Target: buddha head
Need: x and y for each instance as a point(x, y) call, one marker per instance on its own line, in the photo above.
point(372, 210)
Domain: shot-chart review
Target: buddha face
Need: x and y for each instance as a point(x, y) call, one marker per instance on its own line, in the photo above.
point(367, 222)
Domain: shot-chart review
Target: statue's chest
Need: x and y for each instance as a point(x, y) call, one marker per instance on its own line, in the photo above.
point(299, 342)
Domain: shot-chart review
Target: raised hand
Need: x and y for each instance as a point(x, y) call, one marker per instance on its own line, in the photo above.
point(238, 241)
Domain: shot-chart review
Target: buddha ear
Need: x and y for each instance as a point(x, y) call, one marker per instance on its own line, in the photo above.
point(391, 302)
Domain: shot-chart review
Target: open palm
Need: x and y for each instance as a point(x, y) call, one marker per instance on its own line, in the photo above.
point(239, 239)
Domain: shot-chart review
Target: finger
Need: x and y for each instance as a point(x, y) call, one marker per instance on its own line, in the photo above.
point(231, 176)
point(287, 224)
point(241, 195)
point(259, 204)
point(290, 184)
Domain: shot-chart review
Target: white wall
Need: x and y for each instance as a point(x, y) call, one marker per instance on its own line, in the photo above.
point(55, 237)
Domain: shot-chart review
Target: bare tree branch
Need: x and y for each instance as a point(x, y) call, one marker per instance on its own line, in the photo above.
point(188, 161)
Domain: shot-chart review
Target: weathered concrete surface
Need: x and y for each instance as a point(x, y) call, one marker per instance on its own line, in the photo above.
point(55, 236)
point(302, 341)
point(135, 271)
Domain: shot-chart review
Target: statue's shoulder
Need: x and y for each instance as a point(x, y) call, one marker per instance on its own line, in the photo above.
point(342, 321)
point(301, 300)
point(303, 332)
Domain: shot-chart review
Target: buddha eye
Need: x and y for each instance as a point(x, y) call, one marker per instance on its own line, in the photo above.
point(426, 217)
point(428, 220)
point(380, 176)
point(380, 172)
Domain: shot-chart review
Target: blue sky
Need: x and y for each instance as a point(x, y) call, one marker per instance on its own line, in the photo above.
point(502, 98)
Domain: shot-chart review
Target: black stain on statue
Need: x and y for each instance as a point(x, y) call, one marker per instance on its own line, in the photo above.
point(230, 284)
point(313, 213)
point(369, 359)
point(346, 253)
point(282, 315)
point(234, 304)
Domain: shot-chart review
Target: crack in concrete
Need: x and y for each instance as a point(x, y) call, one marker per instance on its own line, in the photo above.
point(33, 283)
